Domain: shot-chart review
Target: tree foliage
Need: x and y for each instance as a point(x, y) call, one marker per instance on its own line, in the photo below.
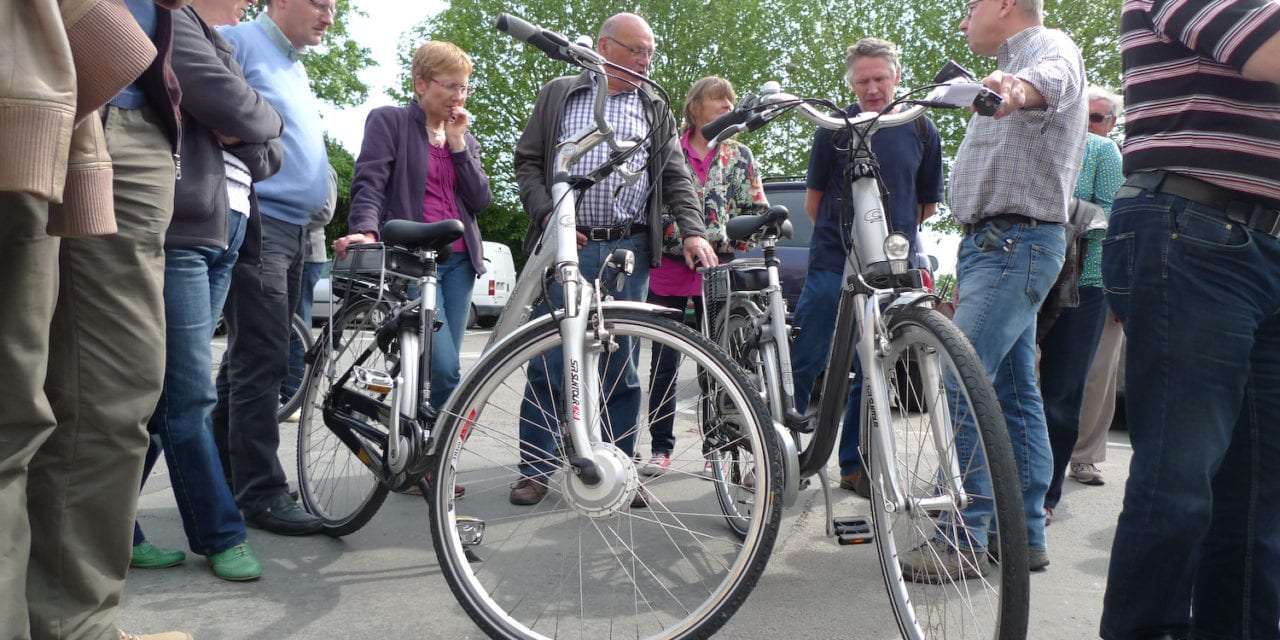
point(801, 45)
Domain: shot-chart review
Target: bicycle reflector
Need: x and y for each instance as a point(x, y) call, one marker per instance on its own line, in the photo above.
point(897, 248)
point(375, 381)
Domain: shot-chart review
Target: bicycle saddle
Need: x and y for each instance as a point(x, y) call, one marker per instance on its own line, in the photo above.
point(742, 227)
point(427, 236)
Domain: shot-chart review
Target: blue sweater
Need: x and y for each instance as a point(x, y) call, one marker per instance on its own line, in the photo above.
point(272, 67)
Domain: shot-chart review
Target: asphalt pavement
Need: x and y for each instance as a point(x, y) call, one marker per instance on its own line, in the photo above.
point(383, 581)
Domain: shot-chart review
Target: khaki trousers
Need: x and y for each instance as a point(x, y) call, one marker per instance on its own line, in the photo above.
point(1099, 406)
point(105, 370)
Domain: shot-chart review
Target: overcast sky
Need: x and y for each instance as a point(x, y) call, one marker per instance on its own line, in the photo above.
point(380, 31)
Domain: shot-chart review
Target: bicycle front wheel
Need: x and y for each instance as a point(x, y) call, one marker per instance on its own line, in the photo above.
point(943, 483)
point(591, 562)
point(334, 483)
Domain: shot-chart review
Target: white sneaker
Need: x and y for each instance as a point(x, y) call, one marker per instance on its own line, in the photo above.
point(1086, 473)
point(657, 465)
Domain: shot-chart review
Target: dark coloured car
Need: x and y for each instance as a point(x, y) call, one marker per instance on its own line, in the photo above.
point(793, 251)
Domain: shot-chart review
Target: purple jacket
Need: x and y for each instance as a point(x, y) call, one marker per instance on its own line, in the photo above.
point(391, 177)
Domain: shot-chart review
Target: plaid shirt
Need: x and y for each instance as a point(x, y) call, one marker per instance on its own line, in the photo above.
point(1026, 163)
point(625, 111)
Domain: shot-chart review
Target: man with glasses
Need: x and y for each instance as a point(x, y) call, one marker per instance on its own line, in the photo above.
point(1192, 269)
point(264, 292)
point(1013, 175)
point(610, 216)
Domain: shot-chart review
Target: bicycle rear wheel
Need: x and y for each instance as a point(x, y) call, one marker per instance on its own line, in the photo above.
point(950, 458)
point(730, 457)
point(291, 390)
point(335, 485)
point(577, 565)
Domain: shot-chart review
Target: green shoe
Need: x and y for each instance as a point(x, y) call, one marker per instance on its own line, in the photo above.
point(149, 556)
point(236, 564)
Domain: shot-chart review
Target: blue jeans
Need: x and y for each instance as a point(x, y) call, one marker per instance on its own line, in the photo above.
point(815, 315)
point(1200, 527)
point(1003, 277)
point(456, 279)
point(196, 280)
point(1066, 354)
point(539, 411)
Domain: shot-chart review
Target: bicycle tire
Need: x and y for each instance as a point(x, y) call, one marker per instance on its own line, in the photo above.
point(299, 337)
point(334, 484)
point(916, 542)
point(731, 464)
point(672, 570)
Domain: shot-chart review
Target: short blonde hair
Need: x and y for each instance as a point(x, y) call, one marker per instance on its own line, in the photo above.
point(439, 56)
point(710, 87)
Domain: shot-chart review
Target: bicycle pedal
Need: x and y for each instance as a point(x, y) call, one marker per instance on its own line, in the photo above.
point(372, 380)
point(853, 530)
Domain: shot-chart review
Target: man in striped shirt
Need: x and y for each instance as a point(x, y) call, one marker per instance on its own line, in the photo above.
point(1192, 268)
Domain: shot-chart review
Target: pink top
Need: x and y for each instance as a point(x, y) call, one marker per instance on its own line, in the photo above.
point(439, 202)
point(673, 277)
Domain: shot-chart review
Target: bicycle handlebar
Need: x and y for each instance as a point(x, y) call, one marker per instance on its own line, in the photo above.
point(556, 46)
point(754, 110)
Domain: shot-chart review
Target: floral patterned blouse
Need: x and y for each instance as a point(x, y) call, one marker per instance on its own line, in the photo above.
point(1100, 178)
point(732, 187)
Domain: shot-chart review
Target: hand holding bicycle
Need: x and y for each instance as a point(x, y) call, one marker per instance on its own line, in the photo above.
point(1016, 93)
point(341, 244)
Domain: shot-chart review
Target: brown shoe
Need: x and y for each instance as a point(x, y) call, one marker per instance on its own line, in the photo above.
point(641, 499)
point(528, 491)
point(857, 482)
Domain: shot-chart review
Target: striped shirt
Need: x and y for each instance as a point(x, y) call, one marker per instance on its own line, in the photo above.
point(1026, 164)
point(1187, 108)
point(625, 111)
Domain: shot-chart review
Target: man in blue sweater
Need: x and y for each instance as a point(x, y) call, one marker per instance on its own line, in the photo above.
point(264, 294)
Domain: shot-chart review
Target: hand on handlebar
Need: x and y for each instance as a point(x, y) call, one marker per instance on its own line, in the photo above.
point(698, 250)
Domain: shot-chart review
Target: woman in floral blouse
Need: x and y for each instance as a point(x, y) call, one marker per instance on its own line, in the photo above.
point(727, 183)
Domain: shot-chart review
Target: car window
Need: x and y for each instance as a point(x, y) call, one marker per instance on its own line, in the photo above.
point(791, 196)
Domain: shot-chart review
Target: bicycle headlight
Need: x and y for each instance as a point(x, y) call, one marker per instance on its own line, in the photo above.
point(897, 248)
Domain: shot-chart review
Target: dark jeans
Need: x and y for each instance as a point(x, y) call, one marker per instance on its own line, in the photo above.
point(258, 312)
point(664, 364)
point(1066, 354)
point(539, 411)
point(1197, 545)
point(195, 286)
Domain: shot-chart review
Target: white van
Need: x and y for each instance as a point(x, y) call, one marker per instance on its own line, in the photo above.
point(488, 297)
point(493, 287)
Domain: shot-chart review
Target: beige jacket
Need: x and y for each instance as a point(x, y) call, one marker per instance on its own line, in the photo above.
point(64, 60)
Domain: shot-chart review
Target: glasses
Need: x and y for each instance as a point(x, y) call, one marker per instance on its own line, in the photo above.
point(452, 87)
point(639, 53)
point(322, 8)
point(1098, 118)
point(969, 6)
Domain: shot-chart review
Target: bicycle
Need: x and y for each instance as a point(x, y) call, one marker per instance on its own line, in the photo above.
point(934, 440)
point(583, 562)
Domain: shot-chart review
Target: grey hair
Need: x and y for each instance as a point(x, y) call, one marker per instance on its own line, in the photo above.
point(1115, 103)
point(1034, 8)
point(871, 48)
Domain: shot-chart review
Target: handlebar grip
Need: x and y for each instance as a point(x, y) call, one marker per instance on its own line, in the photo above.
point(549, 42)
point(715, 127)
point(987, 102)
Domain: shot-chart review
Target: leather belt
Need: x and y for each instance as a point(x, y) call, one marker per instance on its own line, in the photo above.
point(611, 234)
point(1002, 221)
point(1238, 208)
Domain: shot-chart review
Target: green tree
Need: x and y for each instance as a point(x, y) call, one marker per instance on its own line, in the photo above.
point(800, 45)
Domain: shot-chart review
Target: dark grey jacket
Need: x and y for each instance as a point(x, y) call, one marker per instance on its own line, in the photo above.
point(215, 97)
point(668, 174)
